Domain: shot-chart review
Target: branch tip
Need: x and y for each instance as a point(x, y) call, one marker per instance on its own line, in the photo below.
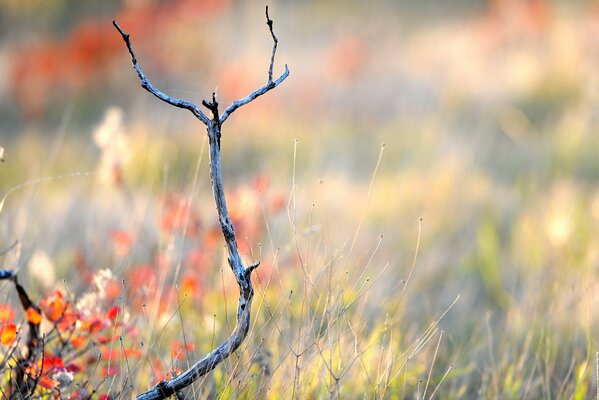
point(212, 106)
point(268, 20)
point(118, 28)
point(251, 268)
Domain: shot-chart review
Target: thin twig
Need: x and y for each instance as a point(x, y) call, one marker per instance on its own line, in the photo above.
point(269, 85)
point(269, 22)
point(147, 85)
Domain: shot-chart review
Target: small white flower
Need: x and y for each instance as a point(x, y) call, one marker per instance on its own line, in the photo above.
point(41, 268)
point(101, 279)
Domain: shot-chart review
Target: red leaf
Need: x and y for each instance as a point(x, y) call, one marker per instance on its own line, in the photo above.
point(47, 382)
point(51, 361)
point(114, 312)
point(54, 306)
point(78, 341)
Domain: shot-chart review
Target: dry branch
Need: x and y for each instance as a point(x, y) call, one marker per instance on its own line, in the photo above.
point(22, 388)
point(242, 274)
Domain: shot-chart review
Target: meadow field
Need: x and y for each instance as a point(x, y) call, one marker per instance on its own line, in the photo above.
point(421, 192)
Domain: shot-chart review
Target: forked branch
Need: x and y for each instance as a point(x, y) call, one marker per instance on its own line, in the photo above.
point(242, 274)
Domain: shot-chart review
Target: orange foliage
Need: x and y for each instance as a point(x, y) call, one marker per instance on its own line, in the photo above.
point(41, 69)
point(96, 323)
point(178, 214)
point(33, 316)
point(58, 311)
point(8, 334)
point(80, 394)
point(179, 350)
point(54, 306)
point(46, 382)
point(190, 285)
point(160, 373)
point(78, 341)
point(45, 367)
point(93, 324)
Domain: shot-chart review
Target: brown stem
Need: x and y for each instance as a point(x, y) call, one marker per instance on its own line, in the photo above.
point(24, 388)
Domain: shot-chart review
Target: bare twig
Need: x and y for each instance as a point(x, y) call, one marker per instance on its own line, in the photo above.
point(175, 385)
point(269, 85)
point(269, 22)
point(145, 83)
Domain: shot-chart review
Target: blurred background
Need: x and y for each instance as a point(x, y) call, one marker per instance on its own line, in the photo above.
point(488, 112)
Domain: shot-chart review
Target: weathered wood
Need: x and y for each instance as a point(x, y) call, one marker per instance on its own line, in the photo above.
point(242, 274)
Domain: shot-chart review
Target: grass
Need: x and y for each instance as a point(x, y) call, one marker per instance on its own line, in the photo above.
point(460, 262)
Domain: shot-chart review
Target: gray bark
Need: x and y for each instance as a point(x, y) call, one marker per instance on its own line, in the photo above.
point(242, 274)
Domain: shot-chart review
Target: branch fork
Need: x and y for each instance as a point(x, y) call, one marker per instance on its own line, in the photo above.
point(242, 274)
